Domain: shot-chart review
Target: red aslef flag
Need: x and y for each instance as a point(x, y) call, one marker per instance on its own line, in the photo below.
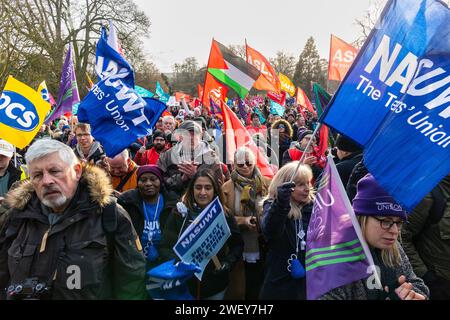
point(268, 80)
point(302, 100)
point(213, 89)
point(342, 56)
point(237, 136)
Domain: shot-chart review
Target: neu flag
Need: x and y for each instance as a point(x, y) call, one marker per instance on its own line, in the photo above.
point(110, 63)
point(276, 109)
point(118, 115)
point(394, 99)
point(68, 89)
point(231, 70)
point(144, 93)
point(164, 97)
point(336, 252)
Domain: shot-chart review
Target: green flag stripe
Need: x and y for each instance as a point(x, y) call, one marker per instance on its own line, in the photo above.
point(335, 261)
point(337, 246)
point(67, 94)
point(334, 254)
point(221, 76)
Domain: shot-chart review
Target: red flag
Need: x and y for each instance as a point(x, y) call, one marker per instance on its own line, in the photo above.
point(278, 98)
point(179, 95)
point(302, 100)
point(237, 136)
point(200, 91)
point(268, 80)
point(323, 139)
point(342, 56)
point(213, 89)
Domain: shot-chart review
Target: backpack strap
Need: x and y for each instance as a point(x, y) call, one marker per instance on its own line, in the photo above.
point(126, 178)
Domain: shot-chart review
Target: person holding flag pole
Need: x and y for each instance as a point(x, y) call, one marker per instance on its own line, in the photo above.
point(342, 271)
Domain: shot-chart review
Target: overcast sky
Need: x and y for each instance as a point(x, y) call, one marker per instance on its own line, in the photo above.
point(185, 28)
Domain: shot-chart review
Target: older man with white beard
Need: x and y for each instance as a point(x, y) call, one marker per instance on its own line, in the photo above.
point(66, 234)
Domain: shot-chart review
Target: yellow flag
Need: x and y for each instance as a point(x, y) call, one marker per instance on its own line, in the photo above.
point(286, 84)
point(22, 112)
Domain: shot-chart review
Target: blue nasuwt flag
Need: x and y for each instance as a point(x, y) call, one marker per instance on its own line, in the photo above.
point(164, 97)
point(276, 108)
point(110, 63)
point(395, 99)
point(118, 115)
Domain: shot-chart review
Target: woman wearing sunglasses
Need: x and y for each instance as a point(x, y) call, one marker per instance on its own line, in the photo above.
point(243, 196)
point(381, 219)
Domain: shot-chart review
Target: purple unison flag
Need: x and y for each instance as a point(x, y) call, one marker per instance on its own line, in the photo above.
point(68, 89)
point(336, 253)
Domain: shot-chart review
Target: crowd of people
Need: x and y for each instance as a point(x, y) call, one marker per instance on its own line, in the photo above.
point(64, 203)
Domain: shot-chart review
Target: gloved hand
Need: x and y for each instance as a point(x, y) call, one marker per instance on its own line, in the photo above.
point(224, 268)
point(284, 192)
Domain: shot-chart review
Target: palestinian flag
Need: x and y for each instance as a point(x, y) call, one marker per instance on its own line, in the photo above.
point(231, 70)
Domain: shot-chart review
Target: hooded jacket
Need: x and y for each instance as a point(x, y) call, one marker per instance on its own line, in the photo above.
point(77, 259)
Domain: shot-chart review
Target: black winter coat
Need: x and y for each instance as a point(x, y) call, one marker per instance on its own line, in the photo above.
point(280, 234)
point(346, 165)
point(110, 266)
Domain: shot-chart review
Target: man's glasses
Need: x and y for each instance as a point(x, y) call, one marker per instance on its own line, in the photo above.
point(386, 224)
point(246, 163)
point(81, 135)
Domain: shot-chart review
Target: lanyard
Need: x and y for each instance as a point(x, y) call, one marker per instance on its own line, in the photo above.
point(299, 236)
point(156, 211)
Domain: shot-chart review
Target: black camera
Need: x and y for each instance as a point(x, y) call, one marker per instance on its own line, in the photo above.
point(30, 289)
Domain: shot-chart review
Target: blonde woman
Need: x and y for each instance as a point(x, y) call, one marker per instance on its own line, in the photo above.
point(381, 219)
point(243, 196)
point(286, 214)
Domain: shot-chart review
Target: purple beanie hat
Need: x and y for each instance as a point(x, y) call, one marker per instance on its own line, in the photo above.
point(372, 200)
point(150, 169)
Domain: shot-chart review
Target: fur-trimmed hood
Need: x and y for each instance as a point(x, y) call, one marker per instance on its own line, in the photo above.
point(96, 180)
point(287, 125)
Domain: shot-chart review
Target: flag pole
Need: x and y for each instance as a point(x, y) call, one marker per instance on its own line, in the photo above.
point(356, 225)
point(304, 153)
